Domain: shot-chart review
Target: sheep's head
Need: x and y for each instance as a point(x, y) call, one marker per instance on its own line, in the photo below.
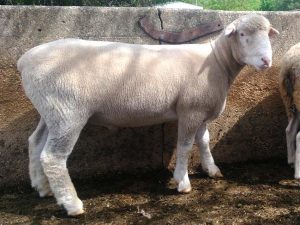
point(250, 40)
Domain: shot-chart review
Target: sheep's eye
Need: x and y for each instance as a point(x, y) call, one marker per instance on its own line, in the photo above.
point(242, 34)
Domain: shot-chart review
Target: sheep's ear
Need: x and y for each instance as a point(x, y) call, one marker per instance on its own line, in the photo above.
point(230, 29)
point(273, 32)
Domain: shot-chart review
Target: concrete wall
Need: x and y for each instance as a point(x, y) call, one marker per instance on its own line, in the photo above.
point(252, 126)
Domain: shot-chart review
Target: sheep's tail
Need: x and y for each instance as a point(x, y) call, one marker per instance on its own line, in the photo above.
point(25, 59)
point(286, 88)
point(20, 64)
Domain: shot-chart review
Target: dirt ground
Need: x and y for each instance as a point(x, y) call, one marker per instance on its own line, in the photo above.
point(249, 193)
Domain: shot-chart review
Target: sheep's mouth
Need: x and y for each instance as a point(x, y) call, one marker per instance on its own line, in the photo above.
point(261, 67)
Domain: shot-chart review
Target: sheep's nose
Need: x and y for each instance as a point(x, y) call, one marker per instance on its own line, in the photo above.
point(267, 62)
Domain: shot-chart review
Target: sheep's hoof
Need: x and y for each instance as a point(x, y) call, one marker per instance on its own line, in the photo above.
point(218, 175)
point(186, 190)
point(213, 171)
point(76, 213)
point(291, 183)
point(73, 209)
point(45, 192)
point(184, 187)
point(45, 195)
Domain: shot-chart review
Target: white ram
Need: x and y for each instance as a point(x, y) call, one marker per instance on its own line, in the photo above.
point(72, 81)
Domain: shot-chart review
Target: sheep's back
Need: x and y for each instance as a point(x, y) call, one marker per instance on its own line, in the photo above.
point(108, 78)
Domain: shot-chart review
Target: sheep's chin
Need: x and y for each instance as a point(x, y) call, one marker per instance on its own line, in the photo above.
point(256, 65)
point(260, 67)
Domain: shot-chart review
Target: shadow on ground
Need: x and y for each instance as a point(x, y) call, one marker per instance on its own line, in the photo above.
point(251, 193)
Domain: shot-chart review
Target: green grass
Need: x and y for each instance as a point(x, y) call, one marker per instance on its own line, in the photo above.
point(235, 5)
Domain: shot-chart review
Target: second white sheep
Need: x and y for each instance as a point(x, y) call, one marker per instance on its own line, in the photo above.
point(289, 86)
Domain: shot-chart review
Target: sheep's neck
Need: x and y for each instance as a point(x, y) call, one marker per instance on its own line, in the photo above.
point(223, 53)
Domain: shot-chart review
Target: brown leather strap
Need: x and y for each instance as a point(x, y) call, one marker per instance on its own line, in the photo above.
point(180, 37)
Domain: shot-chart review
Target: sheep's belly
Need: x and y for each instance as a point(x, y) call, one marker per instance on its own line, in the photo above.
point(132, 120)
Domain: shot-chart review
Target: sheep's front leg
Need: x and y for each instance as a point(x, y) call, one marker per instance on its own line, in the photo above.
point(207, 160)
point(54, 159)
point(186, 137)
point(291, 132)
point(181, 169)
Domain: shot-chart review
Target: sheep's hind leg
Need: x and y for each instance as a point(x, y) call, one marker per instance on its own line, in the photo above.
point(54, 157)
point(37, 141)
point(207, 160)
point(291, 132)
